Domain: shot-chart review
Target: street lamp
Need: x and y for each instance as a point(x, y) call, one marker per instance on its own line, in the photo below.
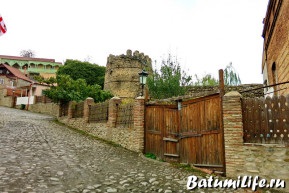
point(143, 79)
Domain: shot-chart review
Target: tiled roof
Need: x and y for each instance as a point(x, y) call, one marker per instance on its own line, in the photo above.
point(17, 73)
point(27, 58)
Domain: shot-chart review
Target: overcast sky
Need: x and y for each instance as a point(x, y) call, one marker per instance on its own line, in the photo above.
point(206, 35)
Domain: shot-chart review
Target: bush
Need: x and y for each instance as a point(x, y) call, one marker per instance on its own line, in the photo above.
point(22, 106)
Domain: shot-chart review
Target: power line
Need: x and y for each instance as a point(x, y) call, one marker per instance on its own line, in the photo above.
point(265, 87)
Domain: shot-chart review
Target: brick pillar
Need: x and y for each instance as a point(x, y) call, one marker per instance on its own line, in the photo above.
point(112, 111)
point(89, 101)
point(138, 122)
point(233, 133)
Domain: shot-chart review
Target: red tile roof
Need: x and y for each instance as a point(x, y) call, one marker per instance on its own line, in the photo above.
point(28, 59)
point(17, 73)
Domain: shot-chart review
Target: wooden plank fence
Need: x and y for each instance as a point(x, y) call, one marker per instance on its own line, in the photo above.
point(266, 120)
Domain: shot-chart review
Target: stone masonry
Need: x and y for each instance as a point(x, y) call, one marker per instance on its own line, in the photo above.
point(268, 161)
point(122, 78)
point(130, 138)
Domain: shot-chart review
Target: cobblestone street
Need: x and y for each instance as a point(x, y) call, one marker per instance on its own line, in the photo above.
point(39, 155)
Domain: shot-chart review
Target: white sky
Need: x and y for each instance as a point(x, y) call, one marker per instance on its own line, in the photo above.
point(206, 35)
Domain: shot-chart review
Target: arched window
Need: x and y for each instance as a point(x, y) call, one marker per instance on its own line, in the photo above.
point(16, 66)
point(274, 73)
point(32, 65)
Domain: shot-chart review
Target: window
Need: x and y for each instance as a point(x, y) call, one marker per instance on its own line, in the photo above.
point(274, 73)
point(1, 81)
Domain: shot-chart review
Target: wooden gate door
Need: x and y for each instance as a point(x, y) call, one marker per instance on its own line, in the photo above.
point(188, 133)
point(201, 133)
point(171, 134)
point(161, 131)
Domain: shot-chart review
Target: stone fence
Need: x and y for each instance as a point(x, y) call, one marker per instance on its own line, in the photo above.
point(130, 136)
point(269, 161)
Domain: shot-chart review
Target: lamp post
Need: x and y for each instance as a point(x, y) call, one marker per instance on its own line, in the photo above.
point(143, 79)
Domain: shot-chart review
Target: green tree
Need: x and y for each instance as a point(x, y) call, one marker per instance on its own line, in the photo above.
point(91, 73)
point(68, 89)
point(41, 79)
point(169, 81)
point(206, 80)
point(231, 77)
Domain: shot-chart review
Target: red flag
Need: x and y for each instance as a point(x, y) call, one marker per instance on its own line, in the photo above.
point(3, 28)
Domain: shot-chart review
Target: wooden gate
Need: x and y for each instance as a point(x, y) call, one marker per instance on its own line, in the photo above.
point(188, 132)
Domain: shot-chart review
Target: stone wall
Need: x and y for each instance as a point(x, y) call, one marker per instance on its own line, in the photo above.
point(130, 138)
point(206, 90)
point(269, 161)
point(122, 78)
point(6, 101)
point(45, 108)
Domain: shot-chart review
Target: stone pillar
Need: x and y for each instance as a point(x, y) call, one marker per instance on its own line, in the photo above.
point(43, 99)
point(233, 133)
point(112, 111)
point(138, 122)
point(89, 101)
point(70, 109)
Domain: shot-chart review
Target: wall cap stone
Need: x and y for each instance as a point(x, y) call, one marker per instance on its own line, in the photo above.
point(115, 98)
point(232, 93)
point(140, 97)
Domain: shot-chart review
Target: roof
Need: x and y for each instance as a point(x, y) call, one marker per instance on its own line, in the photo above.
point(27, 58)
point(17, 73)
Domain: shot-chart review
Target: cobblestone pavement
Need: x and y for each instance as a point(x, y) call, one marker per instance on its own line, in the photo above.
point(39, 155)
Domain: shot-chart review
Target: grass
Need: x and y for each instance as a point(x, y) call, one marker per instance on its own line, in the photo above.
point(151, 156)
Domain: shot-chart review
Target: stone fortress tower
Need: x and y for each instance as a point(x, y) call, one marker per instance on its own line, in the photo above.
point(122, 78)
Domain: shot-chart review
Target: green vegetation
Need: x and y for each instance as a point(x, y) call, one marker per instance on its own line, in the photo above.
point(68, 89)
point(231, 78)
point(169, 81)
point(172, 81)
point(41, 79)
point(91, 73)
point(151, 156)
point(206, 80)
